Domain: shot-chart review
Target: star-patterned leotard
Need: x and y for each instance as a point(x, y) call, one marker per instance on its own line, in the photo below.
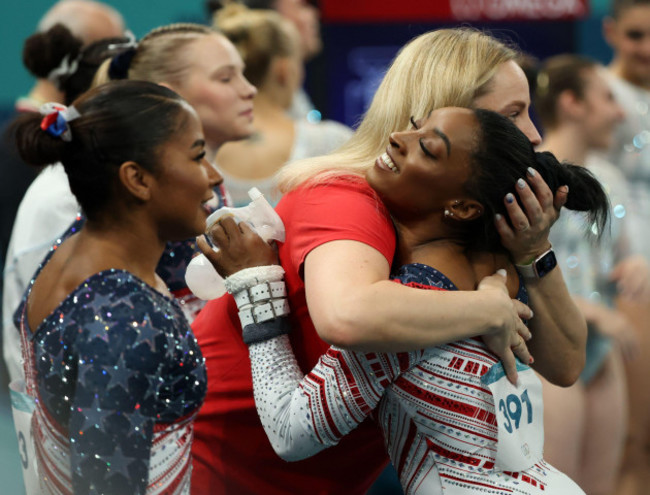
point(115, 362)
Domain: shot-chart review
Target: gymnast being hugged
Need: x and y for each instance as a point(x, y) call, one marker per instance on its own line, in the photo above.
point(450, 418)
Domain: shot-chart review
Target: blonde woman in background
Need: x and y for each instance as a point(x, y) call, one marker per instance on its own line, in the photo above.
point(201, 65)
point(304, 16)
point(269, 46)
point(337, 261)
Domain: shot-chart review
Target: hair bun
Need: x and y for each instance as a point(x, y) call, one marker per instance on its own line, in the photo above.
point(214, 6)
point(47, 51)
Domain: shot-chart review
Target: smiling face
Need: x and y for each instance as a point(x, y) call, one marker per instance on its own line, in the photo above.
point(629, 36)
point(217, 89)
point(185, 181)
point(509, 95)
point(424, 169)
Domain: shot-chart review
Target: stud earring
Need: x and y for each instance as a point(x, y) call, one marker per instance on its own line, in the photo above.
point(448, 213)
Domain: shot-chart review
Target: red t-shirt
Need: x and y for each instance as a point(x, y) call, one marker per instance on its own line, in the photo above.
point(232, 454)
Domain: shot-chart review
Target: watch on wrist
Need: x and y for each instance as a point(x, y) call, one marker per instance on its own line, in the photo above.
point(540, 266)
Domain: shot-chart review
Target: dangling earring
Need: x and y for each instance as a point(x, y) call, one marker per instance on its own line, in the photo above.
point(448, 214)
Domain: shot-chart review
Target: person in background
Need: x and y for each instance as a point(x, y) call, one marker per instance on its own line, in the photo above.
point(586, 424)
point(90, 21)
point(337, 259)
point(627, 31)
point(110, 360)
point(304, 15)
point(48, 207)
point(269, 46)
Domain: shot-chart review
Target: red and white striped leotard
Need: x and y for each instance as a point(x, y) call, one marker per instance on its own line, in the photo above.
point(438, 418)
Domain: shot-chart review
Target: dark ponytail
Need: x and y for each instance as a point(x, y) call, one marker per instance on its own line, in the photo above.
point(36, 147)
point(44, 52)
point(119, 121)
point(502, 156)
point(585, 191)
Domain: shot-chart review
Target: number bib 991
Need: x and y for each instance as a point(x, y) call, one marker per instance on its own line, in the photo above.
point(520, 417)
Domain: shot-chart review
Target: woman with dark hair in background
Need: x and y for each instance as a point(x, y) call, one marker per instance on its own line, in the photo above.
point(586, 424)
point(110, 359)
point(451, 420)
point(627, 31)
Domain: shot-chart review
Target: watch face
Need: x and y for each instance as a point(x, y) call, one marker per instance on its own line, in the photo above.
point(545, 264)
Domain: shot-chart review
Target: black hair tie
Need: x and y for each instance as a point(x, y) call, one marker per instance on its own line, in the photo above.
point(120, 63)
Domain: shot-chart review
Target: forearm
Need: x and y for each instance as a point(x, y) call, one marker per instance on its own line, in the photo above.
point(353, 305)
point(303, 415)
point(389, 317)
point(279, 398)
point(559, 330)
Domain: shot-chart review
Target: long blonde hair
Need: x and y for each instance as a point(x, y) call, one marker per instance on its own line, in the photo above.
point(447, 67)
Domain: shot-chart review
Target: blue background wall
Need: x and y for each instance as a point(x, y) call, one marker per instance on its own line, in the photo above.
point(21, 17)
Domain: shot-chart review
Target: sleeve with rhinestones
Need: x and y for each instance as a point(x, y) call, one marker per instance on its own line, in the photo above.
point(303, 415)
point(113, 411)
point(118, 359)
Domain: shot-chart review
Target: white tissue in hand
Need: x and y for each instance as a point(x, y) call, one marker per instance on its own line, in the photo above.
point(203, 280)
point(201, 277)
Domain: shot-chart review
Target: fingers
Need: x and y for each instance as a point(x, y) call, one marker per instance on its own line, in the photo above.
point(505, 232)
point(561, 197)
point(203, 245)
point(629, 350)
point(246, 229)
point(518, 218)
point(524, 313)
point(230, 227)
point(543, 195)
point(533, 207)
point(520, 349)
point(498, 280)
point(218, 235)
point(632, 279)
point(213, 256)
point(526, 235)
point(632, 289)
point(510, 366)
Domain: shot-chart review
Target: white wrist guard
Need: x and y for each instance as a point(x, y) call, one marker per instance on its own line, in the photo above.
point(260, 294)
point(250, 277)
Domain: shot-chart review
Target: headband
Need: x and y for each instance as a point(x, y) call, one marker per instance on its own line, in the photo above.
point(56, 118)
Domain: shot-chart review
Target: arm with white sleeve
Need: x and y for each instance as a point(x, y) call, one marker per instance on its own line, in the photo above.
point(304, 414)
